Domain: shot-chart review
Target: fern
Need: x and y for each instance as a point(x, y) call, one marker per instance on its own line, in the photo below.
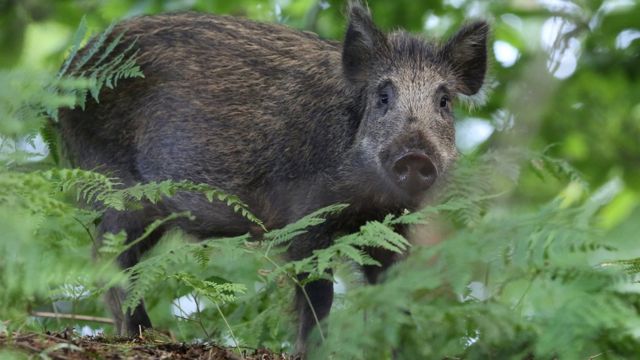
point(215, 292)
point(27, 98)
point(558, 168)
point(107, 69)
point(93, 187)
point(145, 275)
point(290, 231)
point(76, 43)
point(143, 278)
point(431, 311)
point(539, 279)
point(349, 247)
point(545, 281)
point(113, 244)
point(475, 182)
point(52, 228)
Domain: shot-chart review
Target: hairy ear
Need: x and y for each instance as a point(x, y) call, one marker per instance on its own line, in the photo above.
point(364, 43)
point(466, 53)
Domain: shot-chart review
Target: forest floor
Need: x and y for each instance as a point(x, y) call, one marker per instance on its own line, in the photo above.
point(67, 346)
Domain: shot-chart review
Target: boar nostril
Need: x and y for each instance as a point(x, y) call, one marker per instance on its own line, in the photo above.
point(414, 172)
point(401, 168)
point(427, 169)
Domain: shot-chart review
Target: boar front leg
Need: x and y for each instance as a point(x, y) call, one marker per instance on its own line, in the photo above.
point(374, 273)
point(314, 303)
point(386, 258)
point(319, 295)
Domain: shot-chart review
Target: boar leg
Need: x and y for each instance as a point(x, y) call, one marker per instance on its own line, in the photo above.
point(134, 223)
point(317, 295)
point(320, 297)
point(133, 322)
point(386, 258)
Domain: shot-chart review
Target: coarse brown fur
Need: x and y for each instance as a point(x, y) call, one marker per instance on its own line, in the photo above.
point(283, 119)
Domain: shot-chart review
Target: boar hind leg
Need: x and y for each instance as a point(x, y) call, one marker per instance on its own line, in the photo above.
point(133, 322)
point(129, 322)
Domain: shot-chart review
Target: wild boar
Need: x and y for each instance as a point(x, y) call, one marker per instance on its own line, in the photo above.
point(283, 119)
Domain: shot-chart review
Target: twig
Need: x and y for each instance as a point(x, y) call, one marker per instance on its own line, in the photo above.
point(520, 300)
point(313, 311)
point(36, 350)
point(228, 327)
point(184, 315)
point(184, 318)
point(86, 229)
point(40, 335)
point(46, 314)
point(199, 319)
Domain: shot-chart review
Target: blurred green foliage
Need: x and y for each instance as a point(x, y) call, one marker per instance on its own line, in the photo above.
point(564, 82)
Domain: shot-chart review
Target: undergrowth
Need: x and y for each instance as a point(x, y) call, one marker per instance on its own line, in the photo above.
point(506, 282)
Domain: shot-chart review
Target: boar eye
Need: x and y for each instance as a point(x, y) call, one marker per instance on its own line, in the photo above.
point(385, 96)
point(444, 101)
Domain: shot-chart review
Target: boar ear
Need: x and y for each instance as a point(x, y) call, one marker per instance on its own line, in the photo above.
point(466, 53)
point(364, 43)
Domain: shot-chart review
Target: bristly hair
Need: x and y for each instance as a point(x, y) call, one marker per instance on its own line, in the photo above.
point(411, 47)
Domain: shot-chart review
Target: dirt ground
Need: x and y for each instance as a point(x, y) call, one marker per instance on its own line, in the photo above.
point(65, 345)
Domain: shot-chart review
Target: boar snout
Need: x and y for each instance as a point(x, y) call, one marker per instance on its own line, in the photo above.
point(413, 172)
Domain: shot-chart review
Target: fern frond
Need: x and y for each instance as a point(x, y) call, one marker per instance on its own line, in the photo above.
point(220, 293)
point(50, 137)
point(76, 42)
point(154, 192)
point(145, 275)
point(113, 244)
point(143, 278)
point(106, 69)
point(93, 49)
point(93, 187)
point(559, 168)
point(290, 231)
